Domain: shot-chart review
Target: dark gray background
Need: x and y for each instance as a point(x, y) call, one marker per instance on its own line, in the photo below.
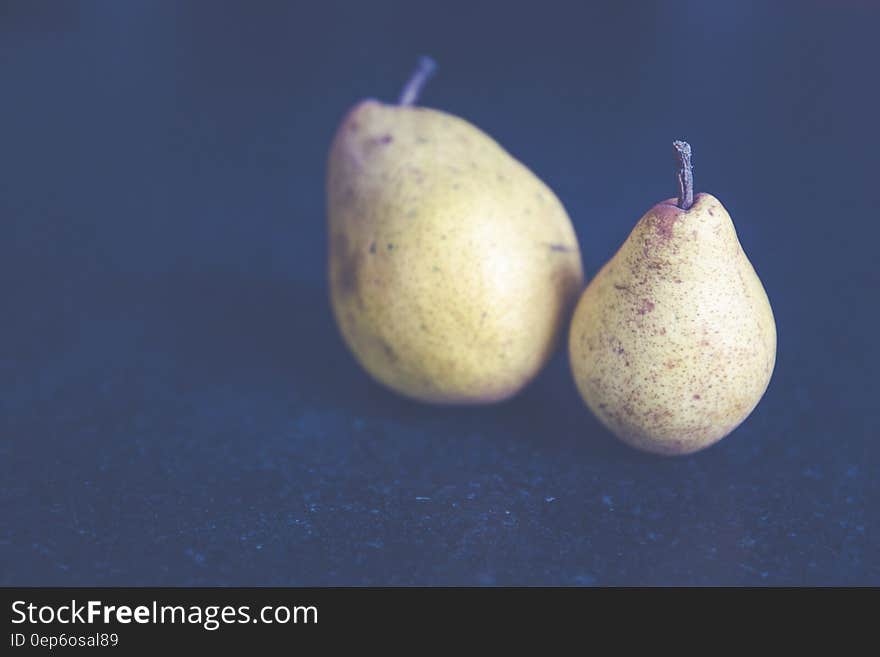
point(177, 407)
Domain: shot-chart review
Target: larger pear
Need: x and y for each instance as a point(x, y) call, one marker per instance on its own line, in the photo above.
point(452, 267)
point(673, 342)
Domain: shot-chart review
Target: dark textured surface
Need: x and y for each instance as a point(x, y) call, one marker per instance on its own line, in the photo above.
point(178, 409)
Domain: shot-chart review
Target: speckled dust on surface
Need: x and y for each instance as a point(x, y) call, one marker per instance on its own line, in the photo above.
point(452, 267)
point(673, 343)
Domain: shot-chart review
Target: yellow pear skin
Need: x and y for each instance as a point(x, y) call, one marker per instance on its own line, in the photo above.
point(452, 268)
point(673, 342)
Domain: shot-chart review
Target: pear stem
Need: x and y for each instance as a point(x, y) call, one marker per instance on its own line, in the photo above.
point(685, 174)
point(424, 70)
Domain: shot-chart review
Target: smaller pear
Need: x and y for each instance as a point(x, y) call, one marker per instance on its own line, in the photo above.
point(673, 343)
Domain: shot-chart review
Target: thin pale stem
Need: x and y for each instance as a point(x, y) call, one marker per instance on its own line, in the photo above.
point(420, 76)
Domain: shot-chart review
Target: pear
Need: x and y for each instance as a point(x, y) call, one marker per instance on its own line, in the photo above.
point(452, 268)
point(673, 343)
